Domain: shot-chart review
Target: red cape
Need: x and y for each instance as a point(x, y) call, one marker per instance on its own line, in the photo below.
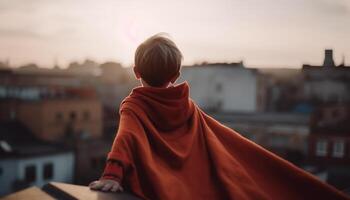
point(170, 149)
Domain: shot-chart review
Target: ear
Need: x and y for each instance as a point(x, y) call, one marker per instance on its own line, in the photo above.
point(175, 77)
point(136, 73)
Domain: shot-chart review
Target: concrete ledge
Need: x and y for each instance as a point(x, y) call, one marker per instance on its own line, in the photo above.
point(66, 191)
point(29, 193)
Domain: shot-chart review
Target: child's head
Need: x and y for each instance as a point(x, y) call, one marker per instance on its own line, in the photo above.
point(158, 61)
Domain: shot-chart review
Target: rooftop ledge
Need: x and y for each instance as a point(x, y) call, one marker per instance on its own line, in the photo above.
point(64, 191)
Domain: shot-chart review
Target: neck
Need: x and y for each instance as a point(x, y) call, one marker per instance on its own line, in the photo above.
point(144, 84)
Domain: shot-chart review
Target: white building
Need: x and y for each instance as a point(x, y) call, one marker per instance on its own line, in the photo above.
point(27, 162)
point(224, 87)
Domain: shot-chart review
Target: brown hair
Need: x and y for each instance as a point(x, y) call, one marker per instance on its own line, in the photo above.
point(158, 60)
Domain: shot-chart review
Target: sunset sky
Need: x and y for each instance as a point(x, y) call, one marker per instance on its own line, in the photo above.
point(263, 33)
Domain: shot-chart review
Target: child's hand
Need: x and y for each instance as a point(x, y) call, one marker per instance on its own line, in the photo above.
point(106, 185)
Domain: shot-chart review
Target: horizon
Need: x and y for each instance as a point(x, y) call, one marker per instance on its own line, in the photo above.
point(294, 32)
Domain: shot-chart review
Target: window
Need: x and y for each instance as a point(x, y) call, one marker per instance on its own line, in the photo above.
point(59, 116)
point(321, 148)
point(86, 115)
point(338, 149)
point(30, 173)
point(72, 115)
point(3, 92)
point(48, 171)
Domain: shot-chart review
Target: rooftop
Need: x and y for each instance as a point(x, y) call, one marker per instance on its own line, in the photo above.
point(263, 118)
point(16, 140)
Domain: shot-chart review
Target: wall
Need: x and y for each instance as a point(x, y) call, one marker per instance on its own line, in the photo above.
point(14, 169)
point(222, 88)
point(327, 90)
point(47, 127)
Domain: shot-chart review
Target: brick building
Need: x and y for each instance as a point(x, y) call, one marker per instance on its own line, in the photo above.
point(329, 141)
point(329, 144)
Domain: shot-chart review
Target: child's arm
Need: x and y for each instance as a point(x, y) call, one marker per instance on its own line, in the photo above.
point(118, 158)
point(113, 171)
point(111, 178)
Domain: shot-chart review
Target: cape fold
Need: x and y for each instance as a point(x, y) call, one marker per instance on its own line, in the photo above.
point(170, 149)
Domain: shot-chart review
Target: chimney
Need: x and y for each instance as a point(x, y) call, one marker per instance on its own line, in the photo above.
point(328, 58)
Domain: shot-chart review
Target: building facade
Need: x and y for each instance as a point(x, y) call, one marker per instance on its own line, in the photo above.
point(285, 134)
point(329, 143)
point(27, 161)
point(224, 87)
point(17, 173)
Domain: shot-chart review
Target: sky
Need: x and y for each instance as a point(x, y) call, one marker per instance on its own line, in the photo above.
point(268, 33)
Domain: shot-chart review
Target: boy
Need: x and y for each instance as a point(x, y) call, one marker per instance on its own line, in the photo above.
point(168, 148)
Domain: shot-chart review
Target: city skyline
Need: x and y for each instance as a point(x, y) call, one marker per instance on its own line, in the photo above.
point(270, 34)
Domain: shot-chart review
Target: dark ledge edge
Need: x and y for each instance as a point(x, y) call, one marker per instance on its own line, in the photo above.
point(57, 193)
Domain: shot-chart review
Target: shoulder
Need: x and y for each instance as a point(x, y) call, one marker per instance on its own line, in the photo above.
point(130, 126)
point(128, 119)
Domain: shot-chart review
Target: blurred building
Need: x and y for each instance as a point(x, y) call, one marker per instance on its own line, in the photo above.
point(329, 143)
point(110, 82)
point(91, 157)
point(12, 78)
point(225, 87)
point(62, 110)
point(330, 136)
point(282, 90)
point(326, 83)
point(112, 72)
point(27, 161)
point(284, 134)
point(88, 67)
point(57, 116)
point(114, 84)
point(302, 90)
